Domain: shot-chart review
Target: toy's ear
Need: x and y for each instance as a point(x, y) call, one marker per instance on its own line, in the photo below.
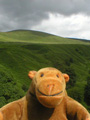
point(31, 74)
point(1, 116)
point(66, 77)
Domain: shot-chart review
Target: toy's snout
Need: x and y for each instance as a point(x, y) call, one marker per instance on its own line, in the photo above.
point(49, 92)
point(50, 87)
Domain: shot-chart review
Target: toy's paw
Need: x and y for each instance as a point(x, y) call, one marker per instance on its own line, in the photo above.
point(1, 116)
point(88, 118)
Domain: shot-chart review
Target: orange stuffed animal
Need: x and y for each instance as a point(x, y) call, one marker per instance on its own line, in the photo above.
point(46, 99)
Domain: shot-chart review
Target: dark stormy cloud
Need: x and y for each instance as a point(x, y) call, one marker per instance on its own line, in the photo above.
point(31, 14)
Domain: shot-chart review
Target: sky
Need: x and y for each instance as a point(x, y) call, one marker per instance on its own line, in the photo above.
point(65, 18)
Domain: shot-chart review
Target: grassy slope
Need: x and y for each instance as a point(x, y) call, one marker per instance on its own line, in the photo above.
point(36, 37)
point(19, 53)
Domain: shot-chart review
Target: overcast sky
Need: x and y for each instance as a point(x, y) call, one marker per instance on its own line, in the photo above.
point(66, 18)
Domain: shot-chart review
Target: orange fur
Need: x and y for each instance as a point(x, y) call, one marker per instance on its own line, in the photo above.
point(1, 116)
point(46, 99)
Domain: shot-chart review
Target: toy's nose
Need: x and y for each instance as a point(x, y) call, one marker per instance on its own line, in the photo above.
point(50, 87)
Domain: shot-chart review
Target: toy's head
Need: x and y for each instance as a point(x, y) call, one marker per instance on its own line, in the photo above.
point(48, 84)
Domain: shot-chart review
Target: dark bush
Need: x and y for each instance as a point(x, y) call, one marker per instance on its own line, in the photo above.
point(9, 89)
point(76, 94)
point(87, 91)
point(72, 74)
point(24, 87)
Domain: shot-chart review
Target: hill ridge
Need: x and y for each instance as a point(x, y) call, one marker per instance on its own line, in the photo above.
point(31, 36)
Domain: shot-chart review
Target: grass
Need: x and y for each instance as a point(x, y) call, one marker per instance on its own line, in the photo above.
point(22, 51)
point(24, 36)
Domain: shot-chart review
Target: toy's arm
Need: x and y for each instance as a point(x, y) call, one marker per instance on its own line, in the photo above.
point(76, 111)
point(11, 111)
point(1, 116)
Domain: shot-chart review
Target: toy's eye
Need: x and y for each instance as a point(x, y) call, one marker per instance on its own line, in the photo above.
point(57, 76)
point(42, 75)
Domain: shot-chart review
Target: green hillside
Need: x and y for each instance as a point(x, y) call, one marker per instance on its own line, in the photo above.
point(27, 36)
point(22, 51)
